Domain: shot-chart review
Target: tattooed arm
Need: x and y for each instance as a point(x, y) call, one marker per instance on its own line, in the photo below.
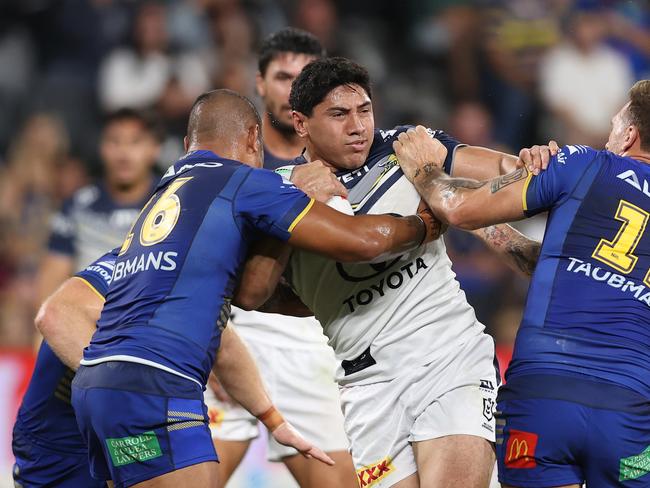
point(461, 202)
point(520, 252)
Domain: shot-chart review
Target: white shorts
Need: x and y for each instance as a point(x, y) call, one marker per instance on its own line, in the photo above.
point(454, 395)
point(301, 384)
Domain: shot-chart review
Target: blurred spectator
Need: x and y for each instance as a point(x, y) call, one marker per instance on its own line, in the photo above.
point(150, 71)
point(584, 81)
point(471, 123)
point(37, 176)
point(628, 23)
point(517, 34)
point(97, 218)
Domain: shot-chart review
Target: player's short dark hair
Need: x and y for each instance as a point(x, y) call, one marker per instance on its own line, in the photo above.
point(320, 77)
point(639, 111)
point(146, 119)
point(288, 40)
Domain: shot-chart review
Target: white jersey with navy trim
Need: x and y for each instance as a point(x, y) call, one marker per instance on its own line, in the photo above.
point(383, 317)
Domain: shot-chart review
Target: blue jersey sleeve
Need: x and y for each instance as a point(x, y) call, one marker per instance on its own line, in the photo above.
point(99, 274)
point(61, 239)
point(271, 204)
point(553, 186)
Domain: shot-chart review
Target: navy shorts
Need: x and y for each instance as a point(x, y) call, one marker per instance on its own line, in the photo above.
point(37, 466)
point(140, 422)
point(544, 442)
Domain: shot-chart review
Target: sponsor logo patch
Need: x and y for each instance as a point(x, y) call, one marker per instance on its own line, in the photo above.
point(633, 467)
point(371, 475)
point(520, 450)
point(139, 448)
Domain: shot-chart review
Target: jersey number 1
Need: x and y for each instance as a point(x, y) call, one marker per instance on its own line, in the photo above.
point(619, 252)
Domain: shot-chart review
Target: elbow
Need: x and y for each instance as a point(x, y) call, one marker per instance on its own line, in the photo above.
point(459, 217)
point(252, 299)
point(46, 321)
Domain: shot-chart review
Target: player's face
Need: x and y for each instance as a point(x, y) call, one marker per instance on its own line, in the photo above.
point(129, 151)
point(274, 87)
point(341, 128)
point(617, 136)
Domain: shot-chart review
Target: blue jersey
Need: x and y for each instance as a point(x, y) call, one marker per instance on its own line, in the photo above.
point(179, 265)
point(587, 314)
point(272, 162)
point(45, 414)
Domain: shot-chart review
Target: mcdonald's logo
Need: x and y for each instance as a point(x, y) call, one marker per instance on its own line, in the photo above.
point(520, 450)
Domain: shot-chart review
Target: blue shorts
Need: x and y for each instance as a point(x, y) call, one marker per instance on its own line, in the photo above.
point(140, 422)
point(38, 466)
point(547, 442)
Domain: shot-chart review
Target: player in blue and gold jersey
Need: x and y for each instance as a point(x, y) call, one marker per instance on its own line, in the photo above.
point(138, 394)
point(47, 444)
point(576, 406)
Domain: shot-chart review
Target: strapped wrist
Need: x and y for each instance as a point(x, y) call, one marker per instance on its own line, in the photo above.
point(272, 419)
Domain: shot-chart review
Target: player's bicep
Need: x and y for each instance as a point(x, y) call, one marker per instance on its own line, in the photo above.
point(326, 231)
point(481, 163)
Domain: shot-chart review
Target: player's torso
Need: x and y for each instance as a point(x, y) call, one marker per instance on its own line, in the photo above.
point(176, 271)
point(99, 223)
point(404, 309)
point(591, 294)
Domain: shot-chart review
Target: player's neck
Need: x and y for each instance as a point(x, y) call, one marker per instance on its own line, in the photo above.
point(638, 155)
point(310, 155)
point(129, 194)
point(281, 144)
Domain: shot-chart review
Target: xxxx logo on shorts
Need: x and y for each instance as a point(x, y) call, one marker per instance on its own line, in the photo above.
point(520, 450)
point(633, 467)
point(371, 475)
point(137, 448)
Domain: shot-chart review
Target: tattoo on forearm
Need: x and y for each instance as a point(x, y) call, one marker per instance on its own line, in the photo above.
point(505, 180)
point(520, 251)
point(428, 169)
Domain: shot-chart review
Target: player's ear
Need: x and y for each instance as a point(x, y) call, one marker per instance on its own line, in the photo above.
point(299, 123)
point(185, 143)
point(260, 86)
point(254, 139)
point(631, 137)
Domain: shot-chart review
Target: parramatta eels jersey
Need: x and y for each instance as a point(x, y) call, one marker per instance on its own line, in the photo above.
point(91, 222)
point(178, 267)
point(588, 307)
point(383, 317)
point(274, 329)
point(46, 415)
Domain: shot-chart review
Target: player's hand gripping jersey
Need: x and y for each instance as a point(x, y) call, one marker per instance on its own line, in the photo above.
point(588, 308)
point(178, 267)
point(382, 316)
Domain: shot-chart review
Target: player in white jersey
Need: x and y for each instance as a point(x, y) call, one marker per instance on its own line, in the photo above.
point(416, 373)
point(292, 353)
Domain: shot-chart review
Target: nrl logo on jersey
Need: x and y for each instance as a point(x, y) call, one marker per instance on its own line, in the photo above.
point(631, 178)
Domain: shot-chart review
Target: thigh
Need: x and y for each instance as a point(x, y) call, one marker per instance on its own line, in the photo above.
point(230, 454)
point(444, 461)
point(313, 474)
point(377, 423)
point(202, 474)
point(618, 448)
point(540, 442)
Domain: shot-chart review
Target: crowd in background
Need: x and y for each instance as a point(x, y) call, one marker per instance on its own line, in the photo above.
point(503, 74)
